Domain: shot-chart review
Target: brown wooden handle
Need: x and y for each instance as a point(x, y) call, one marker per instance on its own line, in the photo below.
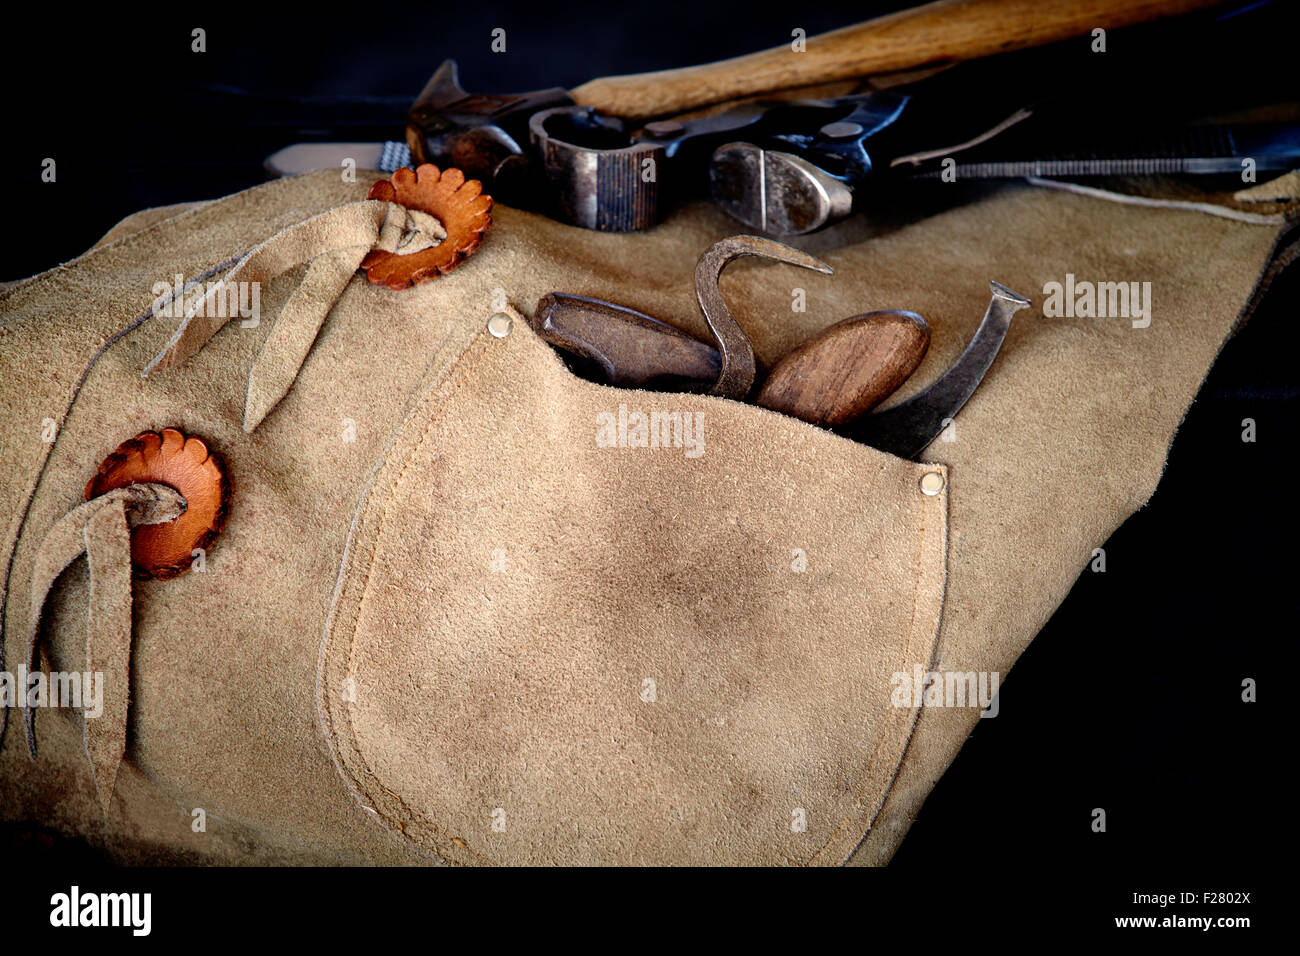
point(942, 32)
point(847, 369)
point(633, 350)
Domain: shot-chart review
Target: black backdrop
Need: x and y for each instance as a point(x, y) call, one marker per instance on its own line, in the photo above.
point(1129, 699)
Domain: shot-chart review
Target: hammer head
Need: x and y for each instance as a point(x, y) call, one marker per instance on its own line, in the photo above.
point(484, 136)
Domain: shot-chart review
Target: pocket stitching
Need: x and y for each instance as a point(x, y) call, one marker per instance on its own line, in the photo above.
point(907, 651)
point(389, 496)
point(466, 363)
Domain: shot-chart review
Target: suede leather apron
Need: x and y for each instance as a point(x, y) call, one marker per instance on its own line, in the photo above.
point(446, 622)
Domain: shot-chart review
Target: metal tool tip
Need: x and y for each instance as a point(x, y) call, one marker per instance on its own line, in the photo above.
point(1002, 292)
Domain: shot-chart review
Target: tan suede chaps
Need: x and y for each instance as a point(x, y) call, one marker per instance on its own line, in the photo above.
point(446, 621)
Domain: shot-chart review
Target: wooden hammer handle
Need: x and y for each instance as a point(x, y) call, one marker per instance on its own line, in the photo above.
point(937, 33)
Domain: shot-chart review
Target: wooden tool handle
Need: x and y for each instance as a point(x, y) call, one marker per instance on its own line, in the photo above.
point(942, 32)
point(847, 369)
point(633, 350)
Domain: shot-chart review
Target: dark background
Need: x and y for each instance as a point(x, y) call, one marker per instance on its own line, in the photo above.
point(1129, 699)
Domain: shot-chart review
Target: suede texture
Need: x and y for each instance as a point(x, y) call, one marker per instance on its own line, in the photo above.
point(622, 654)
point(620, 563)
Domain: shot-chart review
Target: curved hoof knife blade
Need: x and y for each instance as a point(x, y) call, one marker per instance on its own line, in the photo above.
point(907, 429)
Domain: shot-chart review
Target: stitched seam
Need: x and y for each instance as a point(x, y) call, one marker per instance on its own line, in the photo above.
point(933, 642)
point(419, 816)
point(347, 561)
point(881, 738)
point(456, 367)
point(370, 565)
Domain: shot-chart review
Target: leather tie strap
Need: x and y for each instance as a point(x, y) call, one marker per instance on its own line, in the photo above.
point(335, 243)
point(277, 363)
point(101, 528)
point(415, 227)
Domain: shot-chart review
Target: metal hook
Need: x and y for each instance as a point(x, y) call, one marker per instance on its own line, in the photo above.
point(737, 376)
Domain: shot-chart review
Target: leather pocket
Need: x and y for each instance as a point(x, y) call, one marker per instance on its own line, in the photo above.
point(552, 643)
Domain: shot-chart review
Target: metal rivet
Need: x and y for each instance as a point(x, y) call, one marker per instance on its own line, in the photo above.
point(499, 325)
point(931, 483)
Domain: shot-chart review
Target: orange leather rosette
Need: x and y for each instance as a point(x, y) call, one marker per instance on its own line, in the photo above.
point(167, 550)
point(459, 204)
